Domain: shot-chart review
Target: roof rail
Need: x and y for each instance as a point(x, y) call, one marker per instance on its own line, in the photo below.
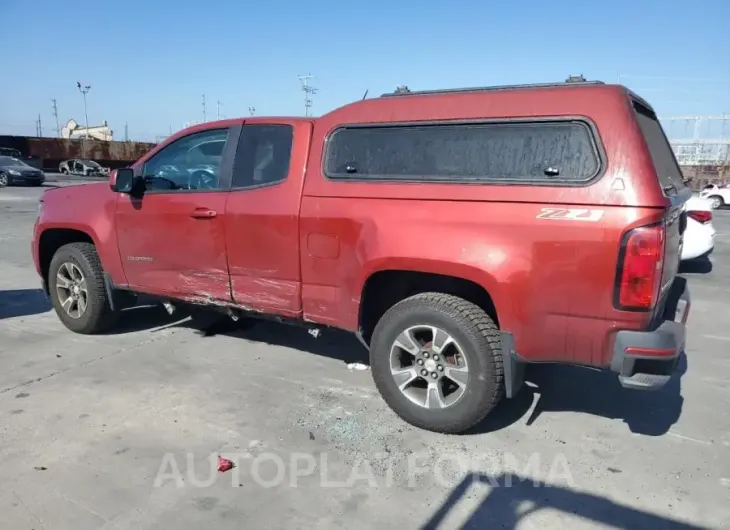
point(572, 80)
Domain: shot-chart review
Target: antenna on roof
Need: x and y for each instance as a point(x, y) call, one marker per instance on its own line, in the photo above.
point(365, 94)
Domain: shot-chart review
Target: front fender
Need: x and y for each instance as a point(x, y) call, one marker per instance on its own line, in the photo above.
point(86, 208)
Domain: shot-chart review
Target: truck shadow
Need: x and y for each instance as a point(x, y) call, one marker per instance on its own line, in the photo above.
point(551, 388)
point(513, 500)
point(561, 388)
point(23, 302)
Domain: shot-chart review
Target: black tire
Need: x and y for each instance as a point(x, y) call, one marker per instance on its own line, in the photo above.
point(98, 316)
point(717, 201)
point(480, 342)
point(4, 179)
point(64, 171)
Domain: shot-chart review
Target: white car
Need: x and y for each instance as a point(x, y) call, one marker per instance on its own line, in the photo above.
point(699, 236)
point(718, 196)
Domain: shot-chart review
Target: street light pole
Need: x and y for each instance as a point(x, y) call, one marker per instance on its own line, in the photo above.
point(84, 89)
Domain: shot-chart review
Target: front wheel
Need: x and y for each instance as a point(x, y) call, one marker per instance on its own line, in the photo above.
point(4, 179)
point(437, 361)
point(76, 285)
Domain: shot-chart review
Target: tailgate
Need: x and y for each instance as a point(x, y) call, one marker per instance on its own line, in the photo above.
point(670, 179)
point(675, 222)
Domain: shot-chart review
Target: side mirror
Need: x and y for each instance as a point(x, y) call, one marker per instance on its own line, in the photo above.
point(124, 181)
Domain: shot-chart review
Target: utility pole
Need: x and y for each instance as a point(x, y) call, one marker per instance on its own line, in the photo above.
point(39, 127)
point(217, 110)
point(252, 110)
point(204, 117)
point(84, 90)
point(55, 115)
point(308, 91)
point(126, 131)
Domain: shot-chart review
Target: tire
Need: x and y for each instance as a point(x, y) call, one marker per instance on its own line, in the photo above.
point(716, 201)
point(4, 179)
point(474, 333)
point(64, 171)
point(97, 316)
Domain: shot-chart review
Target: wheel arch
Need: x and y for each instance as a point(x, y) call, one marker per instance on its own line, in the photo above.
point(387, 284)
point(52, 239)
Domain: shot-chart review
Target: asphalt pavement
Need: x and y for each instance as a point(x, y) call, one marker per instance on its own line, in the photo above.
point(120, 431)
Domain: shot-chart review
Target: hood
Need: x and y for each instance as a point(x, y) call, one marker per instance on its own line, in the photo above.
point(79, 189)
point(21, 169)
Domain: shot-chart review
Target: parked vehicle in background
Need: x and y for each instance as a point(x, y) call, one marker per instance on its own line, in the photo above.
point(402, 219)
point(718, 196)
point(80, 166)
point(15, 171)
point(699, 237)
point(11, 152)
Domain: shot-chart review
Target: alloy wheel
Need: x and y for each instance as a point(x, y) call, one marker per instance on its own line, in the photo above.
point(429, 367)
point(71, 289)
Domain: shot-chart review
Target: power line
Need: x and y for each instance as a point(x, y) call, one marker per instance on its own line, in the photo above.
point(308, 91)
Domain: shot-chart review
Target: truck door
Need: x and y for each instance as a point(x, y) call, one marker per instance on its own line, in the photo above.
point(262, 216)
point(172, 240)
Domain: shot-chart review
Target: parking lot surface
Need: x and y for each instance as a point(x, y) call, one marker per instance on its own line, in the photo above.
point(119, 431)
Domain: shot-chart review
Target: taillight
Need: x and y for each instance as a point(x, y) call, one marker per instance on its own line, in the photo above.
point(641, 260)
point(700, 216)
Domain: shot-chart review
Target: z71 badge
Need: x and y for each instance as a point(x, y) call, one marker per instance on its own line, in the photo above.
point(571, 214)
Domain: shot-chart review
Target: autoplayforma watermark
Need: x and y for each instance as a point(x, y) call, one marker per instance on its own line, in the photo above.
point(377, 470)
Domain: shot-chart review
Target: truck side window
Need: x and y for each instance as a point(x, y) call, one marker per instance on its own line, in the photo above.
point(263, 155)
point(520, 152)
point(189, 163)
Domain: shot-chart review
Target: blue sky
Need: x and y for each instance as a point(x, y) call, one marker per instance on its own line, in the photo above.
point(149, 63)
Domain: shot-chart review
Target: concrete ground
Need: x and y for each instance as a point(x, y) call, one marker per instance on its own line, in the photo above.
point(116, 431)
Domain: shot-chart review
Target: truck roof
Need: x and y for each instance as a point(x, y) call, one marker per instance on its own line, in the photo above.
point(530, 98)
point(238, 121)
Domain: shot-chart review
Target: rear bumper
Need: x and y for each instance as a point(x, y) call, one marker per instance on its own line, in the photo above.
point(645, 360)
point(28, 179)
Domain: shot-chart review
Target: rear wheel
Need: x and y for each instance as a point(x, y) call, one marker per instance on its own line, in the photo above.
point(436, 360)
point(76, 285)
point(716, 202)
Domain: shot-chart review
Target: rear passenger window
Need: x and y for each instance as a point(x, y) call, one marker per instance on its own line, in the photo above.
point(263, 155)
point(544, 152)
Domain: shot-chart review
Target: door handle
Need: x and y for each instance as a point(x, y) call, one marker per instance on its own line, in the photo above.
point(203, 213)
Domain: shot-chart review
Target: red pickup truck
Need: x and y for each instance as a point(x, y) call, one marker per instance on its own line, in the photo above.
point(460, 233)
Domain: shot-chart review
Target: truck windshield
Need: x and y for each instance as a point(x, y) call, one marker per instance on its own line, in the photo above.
point(10, 161)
